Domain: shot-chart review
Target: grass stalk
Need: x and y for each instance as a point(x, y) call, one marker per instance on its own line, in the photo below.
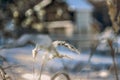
point(113, 58)
point(60, 73)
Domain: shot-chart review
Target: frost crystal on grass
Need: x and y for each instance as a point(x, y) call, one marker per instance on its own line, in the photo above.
point(35, 51)
point(52, 49)
point(67, 45)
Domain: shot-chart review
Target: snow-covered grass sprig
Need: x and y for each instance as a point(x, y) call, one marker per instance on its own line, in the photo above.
point(51, 52)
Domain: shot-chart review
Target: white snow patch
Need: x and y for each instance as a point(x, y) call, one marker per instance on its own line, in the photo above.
point(29, 76)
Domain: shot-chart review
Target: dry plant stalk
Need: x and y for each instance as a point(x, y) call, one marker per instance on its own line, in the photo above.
point(44, 61)
point(51, 52)
point(110, 42)
point(112, 8)
point(115, 19)
point(3, 74)
point(60, 73)
point(94, 45)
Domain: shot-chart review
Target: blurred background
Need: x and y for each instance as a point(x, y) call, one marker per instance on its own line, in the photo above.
point(79, 22)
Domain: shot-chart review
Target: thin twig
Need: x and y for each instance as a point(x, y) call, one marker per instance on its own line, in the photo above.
point(93, 49)
point(113, 58)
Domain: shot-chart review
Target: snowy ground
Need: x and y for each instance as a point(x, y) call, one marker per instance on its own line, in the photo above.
point(22, 62)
